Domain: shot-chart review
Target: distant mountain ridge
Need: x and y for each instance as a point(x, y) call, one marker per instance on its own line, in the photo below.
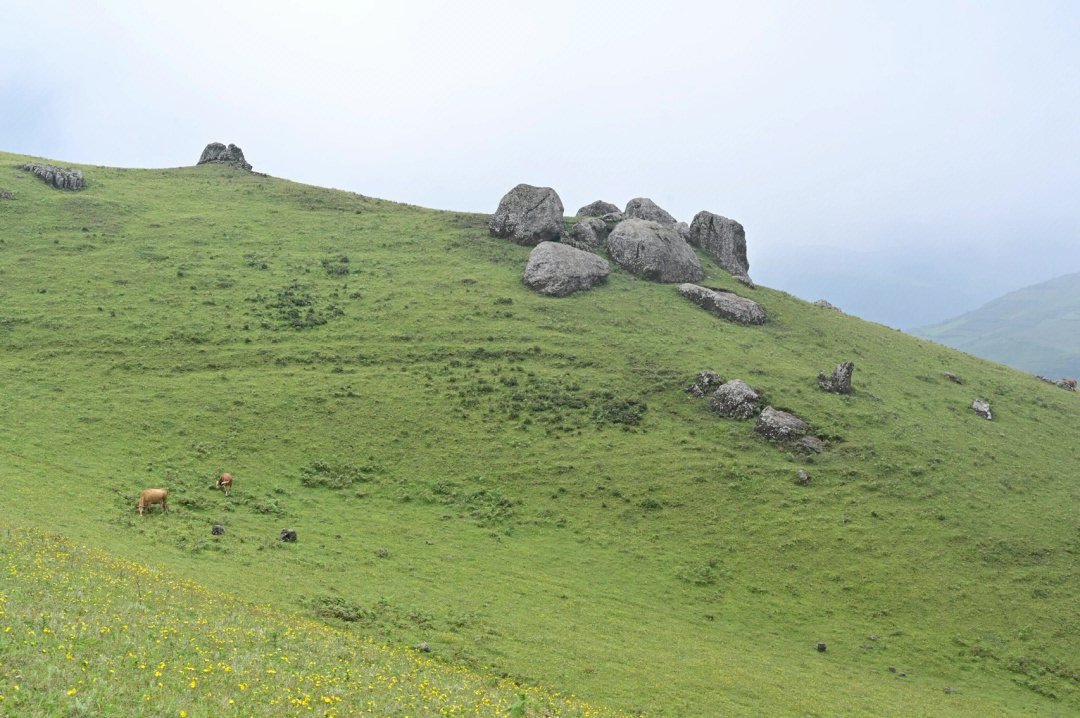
point(1036, 329)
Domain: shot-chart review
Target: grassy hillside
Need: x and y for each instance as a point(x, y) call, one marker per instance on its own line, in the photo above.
point(84, 634)
point(520, 481)
point(1036, 329)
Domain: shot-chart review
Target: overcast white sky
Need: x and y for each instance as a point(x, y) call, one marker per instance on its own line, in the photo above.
point(907, 161)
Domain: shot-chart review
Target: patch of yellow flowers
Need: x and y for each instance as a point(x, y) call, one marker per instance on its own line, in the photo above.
point(88, 634)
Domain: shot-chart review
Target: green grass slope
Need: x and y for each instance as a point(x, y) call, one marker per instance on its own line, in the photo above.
point(1036, 329)
point(84, 634)
point(521, 481)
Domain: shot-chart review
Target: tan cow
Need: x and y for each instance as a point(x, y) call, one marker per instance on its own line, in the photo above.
point(149, 497)
point(225, 483)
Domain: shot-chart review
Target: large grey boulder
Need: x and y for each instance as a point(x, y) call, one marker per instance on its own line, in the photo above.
point(528, 215)
point(736, 399)
point(653, 251)
point(589, 234)
point(645, 208)
point(824, 304)
point(724, 304)
point(723, 238)
point(217, 152)
point(981, 408)
point(839, 382)
point(598, 209)
point(558, 269)
point(781, 426)
point(58, 177)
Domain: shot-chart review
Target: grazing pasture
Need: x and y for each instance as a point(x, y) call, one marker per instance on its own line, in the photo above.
point(522, 482)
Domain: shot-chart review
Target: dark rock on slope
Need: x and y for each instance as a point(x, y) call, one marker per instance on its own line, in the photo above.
point(653, 251)
point(723, 238)
point(558, 269)
point(58, 177)
point(528, 215)
point(706, 383)
point(724, 304)
point(217, 152)
point(839, 382)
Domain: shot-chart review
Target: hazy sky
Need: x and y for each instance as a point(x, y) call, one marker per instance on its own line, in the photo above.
point(907, 161)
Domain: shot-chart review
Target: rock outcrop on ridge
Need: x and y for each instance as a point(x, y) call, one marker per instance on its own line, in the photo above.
point(217, 152)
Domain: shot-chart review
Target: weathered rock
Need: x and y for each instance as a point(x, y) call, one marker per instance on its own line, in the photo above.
point(645, 208)
point(803, 478)
point(424, 647)
point(653, 251)
point(736, 399)
point(839, 382)
point(724, 304)
point(58, 177)
point(5, 194)
point(777, 425)
point(981, 408)
point(528, 215)
point(218, 530)
point(683, 230)
point(217, 152)
point(287, 535)
point(744, 280)
point(723, 238)
point(826, 305)
point(811, 444)
point(589, 234)
point(598, 209)
point(706, 383)
point(613, 217)
point(558, 269)
point(953, 378)
point(821, 647)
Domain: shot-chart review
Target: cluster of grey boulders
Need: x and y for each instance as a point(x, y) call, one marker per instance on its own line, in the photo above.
point(59, 177)
point(219, 153)
point(643, 239)
point(1066, 384)
point(735, 399)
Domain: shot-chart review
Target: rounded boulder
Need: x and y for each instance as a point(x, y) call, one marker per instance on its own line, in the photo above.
point(558, 269)
point(654, 251)
point(528, 215)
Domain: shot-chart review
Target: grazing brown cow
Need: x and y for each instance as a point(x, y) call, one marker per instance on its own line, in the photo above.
point(149, 497)
point(225, 483)
point(1070, 382)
